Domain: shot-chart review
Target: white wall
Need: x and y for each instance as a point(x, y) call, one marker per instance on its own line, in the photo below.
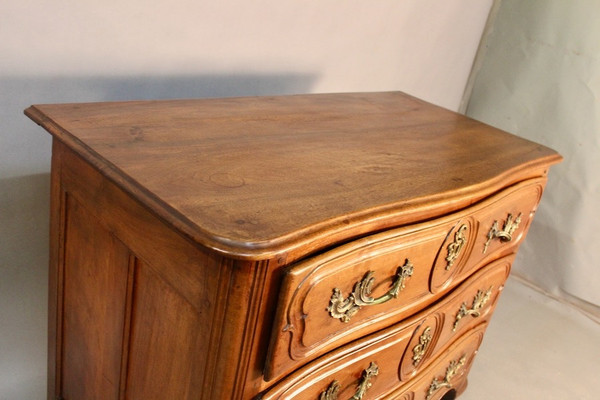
point(92, 50)
point(540, 78)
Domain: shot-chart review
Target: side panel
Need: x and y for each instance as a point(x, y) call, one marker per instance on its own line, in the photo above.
point(138, 311)
point(57, 221)
point(95, 286)
point(165, 350)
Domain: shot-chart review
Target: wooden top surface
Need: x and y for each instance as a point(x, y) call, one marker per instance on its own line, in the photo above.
point(264, 176)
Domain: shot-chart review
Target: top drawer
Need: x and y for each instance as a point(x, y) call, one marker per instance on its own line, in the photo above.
point(366, 285)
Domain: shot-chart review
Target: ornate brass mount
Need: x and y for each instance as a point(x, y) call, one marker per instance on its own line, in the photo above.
point(505, 235)
point(455, 247)
point(420, 349)
point(479, 301)
point(344, 309)
point(451, 371)
point(331, 393)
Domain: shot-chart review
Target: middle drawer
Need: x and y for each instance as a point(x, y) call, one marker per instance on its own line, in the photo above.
point(388, 360)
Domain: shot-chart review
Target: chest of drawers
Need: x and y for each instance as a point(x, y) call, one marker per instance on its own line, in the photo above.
point(342, 246)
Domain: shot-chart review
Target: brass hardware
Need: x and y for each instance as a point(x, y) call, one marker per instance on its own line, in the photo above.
point(420, 349)
point(480, 299)
point(505, 235)
point(344, 309)
point(331, 393)
point(455, 247)
point(451, 371)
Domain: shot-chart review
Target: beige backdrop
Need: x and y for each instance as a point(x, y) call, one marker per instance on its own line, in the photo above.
point(539, 77)
point(99, 50)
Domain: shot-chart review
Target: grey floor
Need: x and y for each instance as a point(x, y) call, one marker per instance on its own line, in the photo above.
point(536, 348)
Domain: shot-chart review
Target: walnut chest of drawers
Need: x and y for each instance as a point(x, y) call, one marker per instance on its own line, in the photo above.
point(342, 246)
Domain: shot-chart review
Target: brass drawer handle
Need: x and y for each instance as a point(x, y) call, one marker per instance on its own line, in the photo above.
point(344, 309)
point(505, 235)
point(451, 371)
point(331, 393)
point(479, 301)
point(456, 246)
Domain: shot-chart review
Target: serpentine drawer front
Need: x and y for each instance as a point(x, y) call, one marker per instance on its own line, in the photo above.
point(403, 350)
point(448, 373)
point(373, 282)
point(320, 247)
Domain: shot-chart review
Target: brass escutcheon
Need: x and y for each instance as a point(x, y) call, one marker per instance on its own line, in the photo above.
point(420, 349)
point(456, 246)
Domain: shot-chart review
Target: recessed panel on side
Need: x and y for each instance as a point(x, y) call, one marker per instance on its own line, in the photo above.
point(168, 344)
point(95, 286)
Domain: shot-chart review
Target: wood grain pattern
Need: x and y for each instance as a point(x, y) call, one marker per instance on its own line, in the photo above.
point(176, 286)
point(259, 177)
point(166, 353)
point(419, 388)
point(55, 272)
point(521, 199)
point(391, 348)
point(186, 235)
point(303, 329)
point(95, 289)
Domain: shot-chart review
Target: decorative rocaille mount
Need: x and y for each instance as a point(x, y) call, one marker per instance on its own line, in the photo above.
point(344, 309)
point(331, 393)
point(451, 371)
point(456, 246)
point(505, 235)
point(420, 349)
point(479, 301)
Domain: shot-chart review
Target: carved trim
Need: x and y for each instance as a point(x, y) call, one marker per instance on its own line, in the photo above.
point(132, 267)
point(261, 269)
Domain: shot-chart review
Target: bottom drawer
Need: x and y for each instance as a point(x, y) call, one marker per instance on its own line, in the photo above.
point(394, 362)
point(446, 378)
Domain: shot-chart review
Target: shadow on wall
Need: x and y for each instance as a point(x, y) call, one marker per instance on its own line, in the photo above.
point(82, 89)
point(24, 150)
point(24, 196)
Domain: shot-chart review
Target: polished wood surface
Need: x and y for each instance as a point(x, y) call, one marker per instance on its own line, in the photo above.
point(180, 316)
point(392, 349)
point(261, 177)
point(196, 244)
point(95, 289)
point(302, 331)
